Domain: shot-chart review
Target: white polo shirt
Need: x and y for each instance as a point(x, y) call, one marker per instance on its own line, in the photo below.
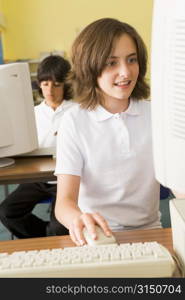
point(47, 122)
point(113, 155)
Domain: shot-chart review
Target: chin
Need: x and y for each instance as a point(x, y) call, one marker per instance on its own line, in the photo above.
point(123, 98)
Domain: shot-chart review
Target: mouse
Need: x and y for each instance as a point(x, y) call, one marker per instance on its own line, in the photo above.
point(102, 239)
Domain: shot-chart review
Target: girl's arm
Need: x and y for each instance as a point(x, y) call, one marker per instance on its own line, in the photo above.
point(69, 214)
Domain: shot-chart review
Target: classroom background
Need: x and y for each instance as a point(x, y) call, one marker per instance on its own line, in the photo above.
point(32, 30)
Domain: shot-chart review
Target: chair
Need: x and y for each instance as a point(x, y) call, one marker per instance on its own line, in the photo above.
point(48, 200)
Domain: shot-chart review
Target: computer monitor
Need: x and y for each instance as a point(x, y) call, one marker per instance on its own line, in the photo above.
point(168, 109)
point(18, 133)
point(168, 92)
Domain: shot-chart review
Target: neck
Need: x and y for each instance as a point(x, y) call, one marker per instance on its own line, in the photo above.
point(53, 104)
point(116, 106)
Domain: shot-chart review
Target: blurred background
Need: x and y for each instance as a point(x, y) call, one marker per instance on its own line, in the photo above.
point(32, 30)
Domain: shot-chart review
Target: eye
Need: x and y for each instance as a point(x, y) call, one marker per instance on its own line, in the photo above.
point(111, 63)
point(132, 60)
point(57, 84)
point(44, 83)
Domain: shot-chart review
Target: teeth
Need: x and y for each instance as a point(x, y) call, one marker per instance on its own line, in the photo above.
point(123, 83)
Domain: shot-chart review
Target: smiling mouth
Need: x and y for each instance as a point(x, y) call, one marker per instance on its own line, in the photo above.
point(123, 83)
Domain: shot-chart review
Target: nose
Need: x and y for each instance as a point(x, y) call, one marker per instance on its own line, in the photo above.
point(50, 87)
point(124, 70)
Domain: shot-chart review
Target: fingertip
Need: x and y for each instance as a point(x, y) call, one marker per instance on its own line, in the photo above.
point(108, 233)
point(82, 242)
point(94, 236)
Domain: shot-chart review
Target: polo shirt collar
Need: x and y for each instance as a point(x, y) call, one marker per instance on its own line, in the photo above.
point(49, 109)
point(101, 114)
point(133, 108)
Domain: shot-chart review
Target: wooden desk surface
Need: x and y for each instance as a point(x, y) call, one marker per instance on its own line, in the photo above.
point(162, 236)
point(28, 169)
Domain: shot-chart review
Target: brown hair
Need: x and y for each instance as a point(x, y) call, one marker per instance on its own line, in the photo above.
point(89, 54)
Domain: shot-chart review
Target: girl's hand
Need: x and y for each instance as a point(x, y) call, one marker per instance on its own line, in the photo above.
point(88, 220)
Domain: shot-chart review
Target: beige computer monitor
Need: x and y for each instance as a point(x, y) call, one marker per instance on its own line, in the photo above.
point(18, 133)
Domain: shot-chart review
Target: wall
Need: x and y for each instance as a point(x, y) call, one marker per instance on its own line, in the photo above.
point(2, 19)
point(33, 26)
point(1, 29)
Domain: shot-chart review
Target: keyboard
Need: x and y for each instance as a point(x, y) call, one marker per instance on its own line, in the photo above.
point(149, 259)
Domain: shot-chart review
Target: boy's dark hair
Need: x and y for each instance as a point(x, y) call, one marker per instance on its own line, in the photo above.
point(55, 68)
point(90, 51)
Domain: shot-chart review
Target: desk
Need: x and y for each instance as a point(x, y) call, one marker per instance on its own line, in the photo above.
point(28, 169)
point(163, 236)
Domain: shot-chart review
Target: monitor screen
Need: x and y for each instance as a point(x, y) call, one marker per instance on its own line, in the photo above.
point(18, 133)
point(168, 92)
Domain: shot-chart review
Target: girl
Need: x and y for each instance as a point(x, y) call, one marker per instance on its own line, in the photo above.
point(104, 151)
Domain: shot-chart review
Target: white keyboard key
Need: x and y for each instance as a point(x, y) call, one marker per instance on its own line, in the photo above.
point(137, 254)
point(126, 255)
point(16, 263)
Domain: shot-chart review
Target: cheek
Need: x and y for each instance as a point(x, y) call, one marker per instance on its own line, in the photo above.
point(43, 90)
point(103, 81)
point(59, 93)
point(137, 72)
